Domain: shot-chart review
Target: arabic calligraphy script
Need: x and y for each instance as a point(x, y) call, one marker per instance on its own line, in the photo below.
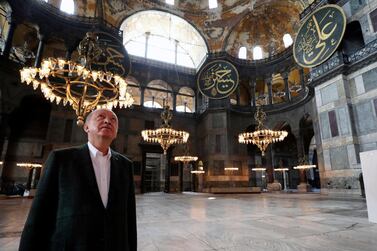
point(218, 79)
point(113, 57)
point(319, 36)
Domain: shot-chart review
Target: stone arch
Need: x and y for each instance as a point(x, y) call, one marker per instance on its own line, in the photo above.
point(353, 39)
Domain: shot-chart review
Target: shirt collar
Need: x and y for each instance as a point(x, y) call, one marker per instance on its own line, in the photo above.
point(94, 151)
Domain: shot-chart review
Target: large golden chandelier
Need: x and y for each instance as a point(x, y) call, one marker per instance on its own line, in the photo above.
point(303, 163)
point(200, 168)
point(81, 84)
point(262, 137)
point(165, 135)
point(186, 157)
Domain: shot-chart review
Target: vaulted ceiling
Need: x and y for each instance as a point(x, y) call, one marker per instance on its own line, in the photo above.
point(234, 23)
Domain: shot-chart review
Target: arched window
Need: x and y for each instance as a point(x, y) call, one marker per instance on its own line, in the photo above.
point(257, 53)
point(157, 94)
point(164, 37)
point(152, 104)
point(212, 4)
point(242, 53)
point(287, 39)
point(67, 6)
point(185, 100)
point(134, 89)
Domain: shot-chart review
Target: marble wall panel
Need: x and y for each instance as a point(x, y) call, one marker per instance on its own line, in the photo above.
point(339, 158)
point(329, 93)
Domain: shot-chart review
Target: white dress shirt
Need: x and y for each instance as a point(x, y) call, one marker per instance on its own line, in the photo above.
point(101, 165)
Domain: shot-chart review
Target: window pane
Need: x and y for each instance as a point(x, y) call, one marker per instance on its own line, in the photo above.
point(287, 39)
point(152, 104)
point(182, 108)
point(171, 2)
point(257, 53)
point(183, 58)
point(162, 49)
point(136, 48)
point(67, 6)
point(164, 29)
point(212, 4)
point(242, 53)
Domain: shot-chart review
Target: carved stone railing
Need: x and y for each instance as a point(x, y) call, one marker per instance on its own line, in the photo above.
point(367, 50)
point(335, 61)
point(339, 59)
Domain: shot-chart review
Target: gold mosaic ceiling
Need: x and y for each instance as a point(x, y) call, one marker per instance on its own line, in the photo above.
point(233, 24)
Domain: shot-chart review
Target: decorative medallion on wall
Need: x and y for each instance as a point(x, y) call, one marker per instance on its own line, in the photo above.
point(319, 36)
point(218, 79)
point(113, 56)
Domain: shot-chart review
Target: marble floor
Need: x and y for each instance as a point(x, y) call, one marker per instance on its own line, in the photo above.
point(191, 221)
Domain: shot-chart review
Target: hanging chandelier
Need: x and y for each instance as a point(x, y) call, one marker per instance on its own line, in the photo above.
point(303, 164)
point(186, 158)
point(165, 135)
point(83, 84)
point(200, 168)
point(29, 165)
point(262, 137)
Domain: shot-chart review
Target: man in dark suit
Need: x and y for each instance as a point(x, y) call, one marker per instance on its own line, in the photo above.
point(85, 198)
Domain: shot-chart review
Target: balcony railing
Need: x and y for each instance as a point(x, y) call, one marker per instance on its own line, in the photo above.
point(335, 61)
point(339, 59)
point(367, 50)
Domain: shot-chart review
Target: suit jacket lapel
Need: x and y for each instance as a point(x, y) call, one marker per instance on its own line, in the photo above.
point(89, 175)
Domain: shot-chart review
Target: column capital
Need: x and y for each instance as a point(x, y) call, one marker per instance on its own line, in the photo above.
point(268, 80)
point(284, 74)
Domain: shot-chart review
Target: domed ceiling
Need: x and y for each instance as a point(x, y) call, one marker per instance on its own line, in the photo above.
point(234, 23)
point(265, 26)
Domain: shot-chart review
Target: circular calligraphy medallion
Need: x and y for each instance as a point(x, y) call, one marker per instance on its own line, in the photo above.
point(319, 36)
point(114, 57)
point(218, 79)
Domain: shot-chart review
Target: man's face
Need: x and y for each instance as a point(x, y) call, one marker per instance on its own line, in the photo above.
point(102, 123)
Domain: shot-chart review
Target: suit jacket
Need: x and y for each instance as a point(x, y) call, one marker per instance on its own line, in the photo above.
point(67, 212)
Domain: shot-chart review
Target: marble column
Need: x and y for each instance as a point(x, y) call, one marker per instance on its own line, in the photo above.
point(269, 85)
point(174, 94)
point(302, 78)
point(286, 86)
point(167, 174)
point(303, 186)
point(142, 90)
point(253, 97)
point(38, 57)
point(181, 166)
point(238, 95)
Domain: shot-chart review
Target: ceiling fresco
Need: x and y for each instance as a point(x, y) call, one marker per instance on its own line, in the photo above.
point(234, 23)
